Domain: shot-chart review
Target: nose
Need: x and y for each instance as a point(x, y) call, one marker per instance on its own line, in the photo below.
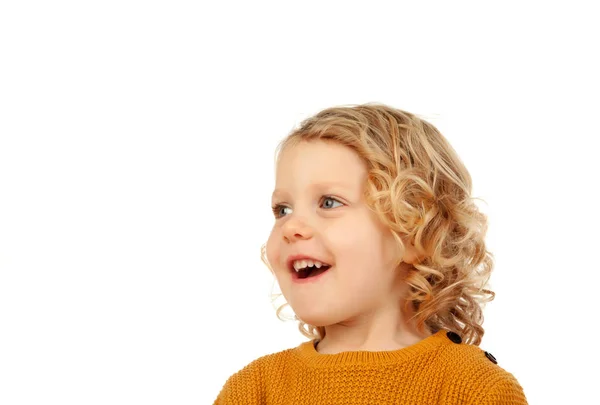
point(296, 229)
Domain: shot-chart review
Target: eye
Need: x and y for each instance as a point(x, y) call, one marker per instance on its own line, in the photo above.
point(327, 202)
point(278, 210)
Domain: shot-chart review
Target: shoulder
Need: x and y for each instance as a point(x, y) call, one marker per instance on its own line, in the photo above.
point(271, 362)
point(248, 385)
point(475, 376)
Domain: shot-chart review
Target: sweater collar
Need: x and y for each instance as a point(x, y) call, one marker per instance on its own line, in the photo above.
point(307, 353)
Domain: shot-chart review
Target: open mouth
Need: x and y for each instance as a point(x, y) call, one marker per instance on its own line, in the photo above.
point(310, 271)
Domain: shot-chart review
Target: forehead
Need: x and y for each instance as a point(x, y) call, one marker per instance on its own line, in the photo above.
point(318, 164)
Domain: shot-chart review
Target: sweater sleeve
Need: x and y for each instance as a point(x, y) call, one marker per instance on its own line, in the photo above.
point(505, 392)
point(243, 388)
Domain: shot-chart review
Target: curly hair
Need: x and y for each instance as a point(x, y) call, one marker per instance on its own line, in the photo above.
point(417, 186)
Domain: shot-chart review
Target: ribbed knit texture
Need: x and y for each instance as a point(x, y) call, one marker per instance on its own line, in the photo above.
point(435, 370)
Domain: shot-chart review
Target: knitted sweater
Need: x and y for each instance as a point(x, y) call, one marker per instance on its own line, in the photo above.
point(439, 369)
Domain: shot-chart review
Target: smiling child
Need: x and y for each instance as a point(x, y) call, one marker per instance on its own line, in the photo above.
point(379, 249)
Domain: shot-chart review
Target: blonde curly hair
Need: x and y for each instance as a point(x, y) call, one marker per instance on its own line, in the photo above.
point(418, 186)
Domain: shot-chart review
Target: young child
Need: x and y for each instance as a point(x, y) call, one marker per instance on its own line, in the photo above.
point(379, 249)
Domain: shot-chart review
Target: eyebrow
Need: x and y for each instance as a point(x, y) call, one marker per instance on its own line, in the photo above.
point(320, 186)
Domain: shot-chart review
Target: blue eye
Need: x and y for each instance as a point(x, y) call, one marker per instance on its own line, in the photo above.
point(330, 199)
point(277, 210)
point(327, 202)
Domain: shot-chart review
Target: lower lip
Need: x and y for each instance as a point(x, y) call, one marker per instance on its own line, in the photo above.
point(306, 280)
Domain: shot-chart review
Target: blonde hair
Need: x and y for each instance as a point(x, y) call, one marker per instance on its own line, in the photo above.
point(418, 186)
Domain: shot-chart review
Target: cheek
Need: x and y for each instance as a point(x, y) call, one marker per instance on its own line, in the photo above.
point(358, 243)
point(273, 251)
point(351, 230)
point(349, 240)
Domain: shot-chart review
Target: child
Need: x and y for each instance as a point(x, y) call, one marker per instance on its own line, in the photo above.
point(379, 249)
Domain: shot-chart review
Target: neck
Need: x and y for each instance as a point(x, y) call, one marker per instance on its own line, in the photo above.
point(383, 330)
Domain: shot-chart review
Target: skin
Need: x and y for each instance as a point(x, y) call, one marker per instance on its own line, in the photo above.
point(321, 212)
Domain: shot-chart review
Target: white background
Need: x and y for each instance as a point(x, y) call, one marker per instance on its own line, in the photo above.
point(136, 166)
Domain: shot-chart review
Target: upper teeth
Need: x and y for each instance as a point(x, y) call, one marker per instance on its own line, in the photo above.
point(302, 264)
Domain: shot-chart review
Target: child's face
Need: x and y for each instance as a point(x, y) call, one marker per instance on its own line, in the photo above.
point(322, 214)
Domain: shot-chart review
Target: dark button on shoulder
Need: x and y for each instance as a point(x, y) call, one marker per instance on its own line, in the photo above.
point(454, 337)
point(491, 357)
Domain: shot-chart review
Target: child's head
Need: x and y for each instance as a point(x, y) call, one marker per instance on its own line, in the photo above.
point(381, 199)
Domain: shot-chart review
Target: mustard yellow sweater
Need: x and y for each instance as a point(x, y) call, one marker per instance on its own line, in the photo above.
point(437, 370)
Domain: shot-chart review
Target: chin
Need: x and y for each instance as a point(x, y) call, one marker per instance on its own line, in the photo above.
point(315, 318)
